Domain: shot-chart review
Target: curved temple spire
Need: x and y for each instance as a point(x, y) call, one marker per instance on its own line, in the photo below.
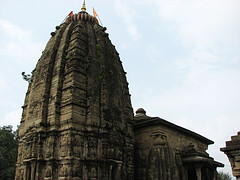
point(84, 6)
point(83, 15)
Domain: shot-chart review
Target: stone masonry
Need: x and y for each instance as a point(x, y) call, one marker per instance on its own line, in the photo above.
point(76, 121)
point(164, 150)
point(78, 124)
point(232, 150)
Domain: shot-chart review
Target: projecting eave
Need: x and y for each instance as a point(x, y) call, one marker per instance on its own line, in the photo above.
point(232, 148)
point(144, 121)
point(195, 158)
point(233, 145)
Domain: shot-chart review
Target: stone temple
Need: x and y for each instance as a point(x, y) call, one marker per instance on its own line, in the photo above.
point(232, 150)
point(78, 123)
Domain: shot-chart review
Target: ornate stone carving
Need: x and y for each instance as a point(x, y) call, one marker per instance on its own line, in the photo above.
point(64, 171)
point(158, 138)
point(48, 172)
point(50, 147)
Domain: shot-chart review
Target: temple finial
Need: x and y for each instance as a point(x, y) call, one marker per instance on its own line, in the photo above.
point(84, 6)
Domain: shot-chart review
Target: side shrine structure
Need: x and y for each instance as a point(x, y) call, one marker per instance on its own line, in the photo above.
point(78, 124)
point(232, 150)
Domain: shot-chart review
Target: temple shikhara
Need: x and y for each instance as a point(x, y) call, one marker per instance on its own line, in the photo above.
point(78, 121)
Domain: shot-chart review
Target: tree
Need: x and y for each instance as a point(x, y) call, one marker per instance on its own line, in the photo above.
point(224, 176)
point(8, 152)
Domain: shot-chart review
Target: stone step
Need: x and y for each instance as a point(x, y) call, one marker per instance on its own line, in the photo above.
point(234, 138)
point(232, 143)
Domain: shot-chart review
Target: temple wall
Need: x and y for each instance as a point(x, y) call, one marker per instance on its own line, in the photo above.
point(159, 150)
point(148, 136)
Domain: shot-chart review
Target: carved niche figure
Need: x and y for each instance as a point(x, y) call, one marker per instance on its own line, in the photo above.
point(64, 145)
point(34, 147)
point(93, 173)
point(158, 138)
point(77, 146)
point(50, 145)
point(161, 161)
point(48, 172)
point(92, 148)
point(77, 170)
point(19, 176)
point(28, 150)
point(64, 171)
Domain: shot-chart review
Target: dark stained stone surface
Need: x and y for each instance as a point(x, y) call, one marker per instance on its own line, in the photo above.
point(164, 150)
point(77, 121)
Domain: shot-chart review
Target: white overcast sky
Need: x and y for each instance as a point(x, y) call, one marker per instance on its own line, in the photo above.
point(182, 57)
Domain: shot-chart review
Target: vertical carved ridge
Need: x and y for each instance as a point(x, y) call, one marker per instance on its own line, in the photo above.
point(75, 109)
point(49, 74)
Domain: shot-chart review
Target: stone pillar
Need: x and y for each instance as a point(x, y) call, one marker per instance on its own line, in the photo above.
point(185, 171)
point(215, 175)
point(199, 173)
point(38, 173)
point(33, 168)
point(25, 175)
point(110, 171)
point(118, 173)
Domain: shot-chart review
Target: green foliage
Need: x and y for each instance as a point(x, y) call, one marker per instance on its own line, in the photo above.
point(100, 77)
point(98, 50)
point(111, 72)
point(86, 59)
point(8, 152)
point(224, 176)
point(67, 53)
point(124, 90)
point(68, 56)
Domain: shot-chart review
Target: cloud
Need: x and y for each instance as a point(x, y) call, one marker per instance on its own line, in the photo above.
point(127, 15)
point(220, 130)
point(17, 44)
point(17, 53)
point(206, 102)
point(2, 82)
point(204, 88)
point(153, 52)
point(12, 31)
point(206, 98)
point(208, 69)
point(203, 24)
point(11, 118)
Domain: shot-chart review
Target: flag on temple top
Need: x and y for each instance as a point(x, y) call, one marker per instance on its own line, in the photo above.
point(94, 13)
point(71, 13)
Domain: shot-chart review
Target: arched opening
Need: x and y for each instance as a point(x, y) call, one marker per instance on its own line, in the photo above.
point(113, 173)
point(28, 171)
point(207, 174)
point(192, 175)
